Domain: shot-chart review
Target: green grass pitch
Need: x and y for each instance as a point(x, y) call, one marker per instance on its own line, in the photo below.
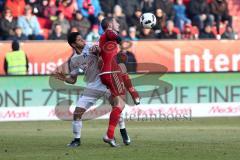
point(198, 139)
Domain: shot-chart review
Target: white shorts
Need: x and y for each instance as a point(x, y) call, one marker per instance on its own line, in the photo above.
point(92, 93)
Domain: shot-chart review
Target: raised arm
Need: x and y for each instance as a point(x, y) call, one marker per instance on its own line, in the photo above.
point(66, 73)
point(113, 36)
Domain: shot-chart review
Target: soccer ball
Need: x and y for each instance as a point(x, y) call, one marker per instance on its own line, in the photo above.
point(148, 20)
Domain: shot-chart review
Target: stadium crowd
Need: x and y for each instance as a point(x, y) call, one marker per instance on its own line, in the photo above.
point(54, 19)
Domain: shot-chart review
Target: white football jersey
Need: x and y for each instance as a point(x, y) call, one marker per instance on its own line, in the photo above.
point(86, 63)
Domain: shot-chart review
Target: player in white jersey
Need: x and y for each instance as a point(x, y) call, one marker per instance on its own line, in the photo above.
point(85, 60)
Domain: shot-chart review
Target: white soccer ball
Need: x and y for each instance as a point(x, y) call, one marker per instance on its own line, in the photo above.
point(148, 20)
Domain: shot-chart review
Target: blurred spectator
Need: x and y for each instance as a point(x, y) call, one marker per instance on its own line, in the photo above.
point(160, 20)
point(130, 61)
point(16, 6)
point(134, 19)
point(188, 33)
point(89, 9)
point(167, 7)
point(57, 34)
point(62, 21)
point(199, 13)
point(121, 19)
point(219, 8)
point(148, 5)
point(147, 34)
point(180, 17)
point(169, 32)
point(93, 36)
point(50, 10)
point(107, 6)
point(129, 6)
point(229, 33)
point(99, 20)
point(18, 35)
point(123, 34)
point(2, 2)
point(207, 33)
point(16, 61)
point(132, 34)
point(68, 7)
point(127, 13)
point(7, 24)
point(35, 4)
point(73, 29)
point(29, 24)
point(81, 23)
point(42, 7)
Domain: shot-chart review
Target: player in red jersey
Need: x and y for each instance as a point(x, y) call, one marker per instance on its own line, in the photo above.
point(111, 28)
point(112, 75)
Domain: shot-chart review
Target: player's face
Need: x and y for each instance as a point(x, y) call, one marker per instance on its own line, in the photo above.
point(79, 43)
point(115, 25)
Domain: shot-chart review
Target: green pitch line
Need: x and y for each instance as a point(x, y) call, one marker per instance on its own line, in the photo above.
point(199, 139)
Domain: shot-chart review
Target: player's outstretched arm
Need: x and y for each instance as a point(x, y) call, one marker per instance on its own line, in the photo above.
point(66, 78)
point(113, 36)
point(71, 79)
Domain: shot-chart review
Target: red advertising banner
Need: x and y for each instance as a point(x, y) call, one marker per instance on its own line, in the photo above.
point(43, 56)
point(176, 56)
point(191, 56)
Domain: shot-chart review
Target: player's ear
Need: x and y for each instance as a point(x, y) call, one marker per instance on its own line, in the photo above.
point(73, 45)
point(110, 24)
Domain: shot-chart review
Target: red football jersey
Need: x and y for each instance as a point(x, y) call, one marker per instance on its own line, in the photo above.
point(109, 59)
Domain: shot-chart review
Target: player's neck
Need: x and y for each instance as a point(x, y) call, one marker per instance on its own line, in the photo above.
point(79, 50)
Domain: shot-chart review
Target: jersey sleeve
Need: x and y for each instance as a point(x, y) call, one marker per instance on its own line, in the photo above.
point(113, 36)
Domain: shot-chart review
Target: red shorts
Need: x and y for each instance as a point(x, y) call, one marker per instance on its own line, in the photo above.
point(114, 83)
